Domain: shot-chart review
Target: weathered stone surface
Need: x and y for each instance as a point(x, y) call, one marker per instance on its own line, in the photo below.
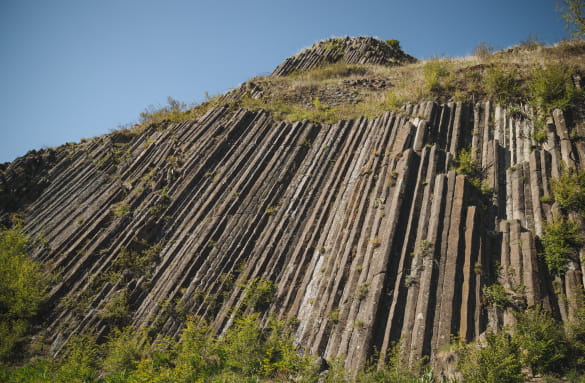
point(365, 233)
point(349, 50)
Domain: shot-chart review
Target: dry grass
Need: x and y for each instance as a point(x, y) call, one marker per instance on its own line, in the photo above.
point(341, 91)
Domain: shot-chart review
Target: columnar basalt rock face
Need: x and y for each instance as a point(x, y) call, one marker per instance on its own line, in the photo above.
point(348, 50)
point(365, 232)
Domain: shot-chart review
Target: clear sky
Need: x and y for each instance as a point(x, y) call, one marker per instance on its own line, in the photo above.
point(72, 69)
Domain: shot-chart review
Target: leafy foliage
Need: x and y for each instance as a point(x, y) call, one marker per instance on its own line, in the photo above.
point(542, 340)
point(559, 242)
point(22, 289)
point(393, 43)
point(569, 190)
point(496, 295)
point(573, 12)
point(501, 84)
point(551, 88)
point(498, 362)
point(464, 163)
point(259, 294)
point(436, 75)
point(244, 353)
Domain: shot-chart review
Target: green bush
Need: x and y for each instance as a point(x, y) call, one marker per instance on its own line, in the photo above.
point(259, 294)
point(116, 312)
point(464, 163)
point(393, 370)
point(542, 341)
point(123, 350)
point(496, 294)
point(435, 72)
point(393, 43)
point(392, 101)
point(560, 240)
point(22, 289)
point(539, 135)
point(551, 87)
point(498, 362)
point(81, 363)
point(569, 190)
point(501, 84)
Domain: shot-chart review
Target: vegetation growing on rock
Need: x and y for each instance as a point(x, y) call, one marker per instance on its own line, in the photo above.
point(419, 222)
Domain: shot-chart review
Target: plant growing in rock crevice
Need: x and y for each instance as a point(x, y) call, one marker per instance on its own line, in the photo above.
point(569, 190)
point(496, 294)
point(259, 294)
point(560, 242)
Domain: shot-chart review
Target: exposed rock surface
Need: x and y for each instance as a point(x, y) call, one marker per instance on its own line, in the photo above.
point(349, 50)
point(365, 232)
point(359, 230)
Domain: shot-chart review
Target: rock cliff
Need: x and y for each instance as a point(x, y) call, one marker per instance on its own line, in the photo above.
point(359, 231)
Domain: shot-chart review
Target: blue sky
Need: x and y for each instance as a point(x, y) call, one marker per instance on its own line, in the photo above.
point(72, 69)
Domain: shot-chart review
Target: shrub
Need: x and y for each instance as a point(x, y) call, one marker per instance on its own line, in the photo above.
point(542, 341)
point(392, 101)
point(559, 242)
point(81, 363)
point(334, 316)
point(569, 190)
point(123, 350)
point(22, 289)
point(116, 311)
point(259, 294)
point(362, 291)
point(434, 72)
point(496, 294)
point(393, 370)
point(498, 362)
point(393, 43)
point(501, 84)
point(539, 135)
point(551, 88)
point(197, 355)
point(464, 163)
point(241, 349)
point(332, 44)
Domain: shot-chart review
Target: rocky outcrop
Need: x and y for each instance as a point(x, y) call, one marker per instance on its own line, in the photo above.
point(23, 180)
point(360, 231)
point(348, 50)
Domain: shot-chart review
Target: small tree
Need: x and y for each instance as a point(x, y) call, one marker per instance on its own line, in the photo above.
point(573, 12)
